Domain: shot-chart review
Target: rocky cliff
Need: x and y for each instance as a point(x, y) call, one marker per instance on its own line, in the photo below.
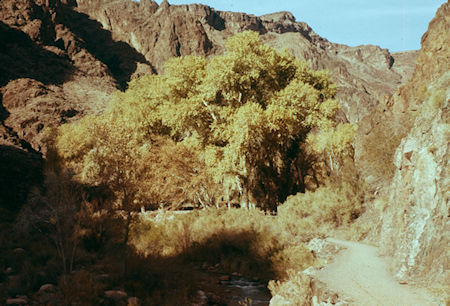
point(415, 225)
point(57, 65)
point(365, 74)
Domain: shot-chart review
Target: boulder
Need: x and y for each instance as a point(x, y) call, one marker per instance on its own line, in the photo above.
point(47, 288)
point(17, 301)
point(116, 295)
point(133, 301)
point(224, 278)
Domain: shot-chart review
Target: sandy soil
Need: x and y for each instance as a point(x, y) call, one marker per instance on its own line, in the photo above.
point(362, 276)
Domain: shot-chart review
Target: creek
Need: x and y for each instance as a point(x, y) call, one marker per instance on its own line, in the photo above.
point(235, 290)
point(240, 288)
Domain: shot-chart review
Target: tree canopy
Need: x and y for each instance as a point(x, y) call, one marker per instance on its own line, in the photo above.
point(210, 131)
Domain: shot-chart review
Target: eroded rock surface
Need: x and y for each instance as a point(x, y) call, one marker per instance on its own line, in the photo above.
point(415, 226)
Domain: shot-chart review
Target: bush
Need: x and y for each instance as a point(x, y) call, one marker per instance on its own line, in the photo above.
point(244, 241)
point(79, 288)
point(316, 213)
point(377, 146)
point(296, 290)
point(295, 257)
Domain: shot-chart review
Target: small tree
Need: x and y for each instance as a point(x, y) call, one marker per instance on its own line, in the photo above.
point(55, 209)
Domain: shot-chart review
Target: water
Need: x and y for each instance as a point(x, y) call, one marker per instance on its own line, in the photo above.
point(240, 288)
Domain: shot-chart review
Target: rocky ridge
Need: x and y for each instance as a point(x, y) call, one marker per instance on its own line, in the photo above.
point(415, 226)
point(364, 74)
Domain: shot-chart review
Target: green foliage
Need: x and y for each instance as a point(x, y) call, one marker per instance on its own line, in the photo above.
point(335, 144)
point(239, 120)
point(316, 213)
point(296, 257)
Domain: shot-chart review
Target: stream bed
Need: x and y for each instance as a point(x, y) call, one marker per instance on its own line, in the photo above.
point(241, 288)
point(235, 290)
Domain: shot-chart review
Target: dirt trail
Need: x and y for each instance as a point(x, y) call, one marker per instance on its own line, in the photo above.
point(361, 275)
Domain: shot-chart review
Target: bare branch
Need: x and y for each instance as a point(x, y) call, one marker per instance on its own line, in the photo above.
point(210, 111)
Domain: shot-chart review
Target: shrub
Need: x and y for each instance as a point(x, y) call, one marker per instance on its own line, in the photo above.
point(296, 290)
point(295, 257)
point(244, 241)
point(315, 213)
point(79, 288)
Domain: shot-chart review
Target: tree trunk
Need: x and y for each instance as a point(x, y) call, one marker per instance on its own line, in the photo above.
point(125, 242)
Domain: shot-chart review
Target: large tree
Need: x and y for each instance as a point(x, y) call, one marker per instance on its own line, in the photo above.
point(252, 109)
point(232, 126)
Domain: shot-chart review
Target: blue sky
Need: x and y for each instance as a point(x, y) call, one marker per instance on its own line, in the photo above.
point(394, 24)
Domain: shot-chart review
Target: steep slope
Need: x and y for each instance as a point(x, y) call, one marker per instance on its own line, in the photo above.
point(51, 52)
point(414, 224)
point(380, 132)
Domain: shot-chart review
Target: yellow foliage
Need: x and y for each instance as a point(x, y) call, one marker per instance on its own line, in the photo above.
point(296, 289)
point(315, 213)
point(243, 114)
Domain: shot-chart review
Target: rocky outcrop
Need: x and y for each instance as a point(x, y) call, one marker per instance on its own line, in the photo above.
point(56, 65)
point(415, 226)
point(81, 51)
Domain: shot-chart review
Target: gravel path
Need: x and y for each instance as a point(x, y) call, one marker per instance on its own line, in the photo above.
point(361, 275)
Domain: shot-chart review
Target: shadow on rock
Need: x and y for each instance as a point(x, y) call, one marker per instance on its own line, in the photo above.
point(120, 58)
point(20, 170)
point(23, 58)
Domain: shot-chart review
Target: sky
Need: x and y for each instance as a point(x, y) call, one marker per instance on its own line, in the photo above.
point(397, 25)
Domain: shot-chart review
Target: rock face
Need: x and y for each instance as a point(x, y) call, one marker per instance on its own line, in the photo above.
point(365, 74)
point(56, 65)
point(415, 226)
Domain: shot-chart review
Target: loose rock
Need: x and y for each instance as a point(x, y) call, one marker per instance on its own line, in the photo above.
point(116, 294)
point(17, 301)
point(133, 301)
point(47, 288)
